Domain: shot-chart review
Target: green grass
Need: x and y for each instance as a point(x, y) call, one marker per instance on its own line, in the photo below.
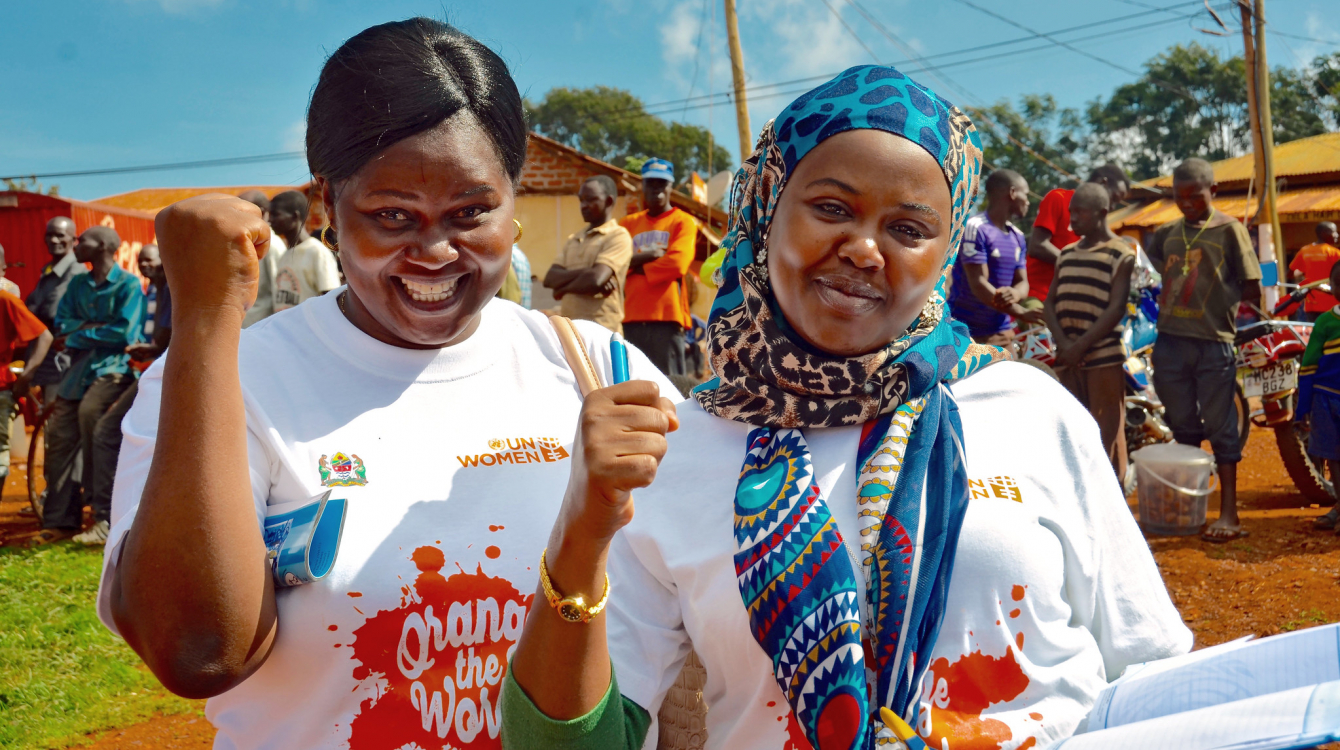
point(1309, 617)
point(62, 674)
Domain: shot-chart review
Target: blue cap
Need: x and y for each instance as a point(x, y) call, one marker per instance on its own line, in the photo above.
point(658, 169)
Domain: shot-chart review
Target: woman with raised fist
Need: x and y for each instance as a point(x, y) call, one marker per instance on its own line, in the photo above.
point(441, 415)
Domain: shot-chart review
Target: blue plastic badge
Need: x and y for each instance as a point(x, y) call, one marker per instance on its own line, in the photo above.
point(1270, 274)
point(302, 538)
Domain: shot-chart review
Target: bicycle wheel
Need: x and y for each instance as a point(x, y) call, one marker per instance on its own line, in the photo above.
point(36, 477)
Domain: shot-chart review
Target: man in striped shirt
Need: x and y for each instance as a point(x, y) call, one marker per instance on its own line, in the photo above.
point(1084, 305)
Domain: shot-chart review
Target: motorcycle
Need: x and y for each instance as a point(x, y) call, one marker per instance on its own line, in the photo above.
point(1269, 353)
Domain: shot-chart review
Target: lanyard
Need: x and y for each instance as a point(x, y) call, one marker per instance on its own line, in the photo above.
point(1186, 262)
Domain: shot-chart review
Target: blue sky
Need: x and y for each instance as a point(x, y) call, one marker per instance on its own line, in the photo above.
point(111, 83)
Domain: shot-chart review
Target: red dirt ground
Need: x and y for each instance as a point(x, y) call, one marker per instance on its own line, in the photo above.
point(1282, 577)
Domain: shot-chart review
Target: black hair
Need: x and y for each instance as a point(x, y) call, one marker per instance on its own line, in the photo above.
point(290, 201)
point(398, 79)
point(1109, 173)
point(1324, 228)
point(1194, 170)
point(106, 236)
point(606, 183)
point(256, 198)
point(1092, 194)
point(1003, 179)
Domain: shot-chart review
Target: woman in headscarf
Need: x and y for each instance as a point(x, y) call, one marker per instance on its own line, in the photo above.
point(859, 525)
point(439, 414)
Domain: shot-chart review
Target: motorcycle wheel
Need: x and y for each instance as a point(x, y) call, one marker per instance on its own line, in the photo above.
point(1244, 417)
point(1308, 475)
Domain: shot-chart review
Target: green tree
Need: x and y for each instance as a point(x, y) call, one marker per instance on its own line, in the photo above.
point(1192, 102)
point(1046, 130)
point(31, 185)
point(613, 125)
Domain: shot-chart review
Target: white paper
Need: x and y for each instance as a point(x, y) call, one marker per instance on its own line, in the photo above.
point(1223, 674)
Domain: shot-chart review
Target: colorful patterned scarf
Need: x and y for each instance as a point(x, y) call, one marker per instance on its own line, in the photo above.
point(796, 580)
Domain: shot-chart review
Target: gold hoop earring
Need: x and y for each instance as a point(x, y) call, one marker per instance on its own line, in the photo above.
point(519, 231)
point(325, 240)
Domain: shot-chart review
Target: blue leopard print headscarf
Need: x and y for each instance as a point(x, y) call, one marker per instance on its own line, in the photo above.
point(797, 581)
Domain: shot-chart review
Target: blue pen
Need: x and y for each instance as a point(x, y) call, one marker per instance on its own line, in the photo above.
point(619, 359)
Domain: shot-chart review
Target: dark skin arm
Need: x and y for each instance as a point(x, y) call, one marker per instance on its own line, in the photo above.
point(1070, 352)
point(1040, 246)
point(147, 352)
point(1003, 299)
point(201, 628)
point(565, 667)
point(593, 281)
point(39, 353)
point(641, 259)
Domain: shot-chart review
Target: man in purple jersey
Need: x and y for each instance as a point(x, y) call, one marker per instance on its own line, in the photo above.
point(990, 280)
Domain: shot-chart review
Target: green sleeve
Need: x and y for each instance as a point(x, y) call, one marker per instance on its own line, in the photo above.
point(606, 727)
point(1327, 328)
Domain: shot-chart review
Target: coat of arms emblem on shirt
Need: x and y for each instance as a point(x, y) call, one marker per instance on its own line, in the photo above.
point(342, 471)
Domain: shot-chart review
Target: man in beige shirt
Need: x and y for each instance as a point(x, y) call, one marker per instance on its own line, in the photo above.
point(588, 275)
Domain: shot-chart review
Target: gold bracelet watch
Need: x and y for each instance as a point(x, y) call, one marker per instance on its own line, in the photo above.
point(571, 608)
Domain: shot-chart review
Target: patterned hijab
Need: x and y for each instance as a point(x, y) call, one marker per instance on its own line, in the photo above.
point(797, 583)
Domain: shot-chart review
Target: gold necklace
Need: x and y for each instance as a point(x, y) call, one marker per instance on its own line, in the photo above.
point(1186, 246)
point(340, 300)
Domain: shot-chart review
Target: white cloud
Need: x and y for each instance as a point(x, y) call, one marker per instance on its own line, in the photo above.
point(295, 138)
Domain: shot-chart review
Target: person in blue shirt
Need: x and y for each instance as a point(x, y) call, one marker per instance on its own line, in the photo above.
point(990, 282)
point(99, 316)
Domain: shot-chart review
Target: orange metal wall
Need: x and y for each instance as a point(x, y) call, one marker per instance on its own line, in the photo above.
point(23, 220)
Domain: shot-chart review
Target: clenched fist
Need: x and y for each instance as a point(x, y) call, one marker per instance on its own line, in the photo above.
point(620, 443)
point(211, 246)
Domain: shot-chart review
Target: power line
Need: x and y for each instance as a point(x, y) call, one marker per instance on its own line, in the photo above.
point(979, 111)
point(676, 103)
point(628, 112)
point(258, 159)
point(1162, 84)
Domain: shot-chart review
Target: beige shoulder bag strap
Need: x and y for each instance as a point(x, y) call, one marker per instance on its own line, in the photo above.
point(574, 350)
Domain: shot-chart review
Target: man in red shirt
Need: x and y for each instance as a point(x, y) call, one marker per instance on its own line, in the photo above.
point(656, 306)
point(1313, 263)
point(18, 328)
point(1051, 230)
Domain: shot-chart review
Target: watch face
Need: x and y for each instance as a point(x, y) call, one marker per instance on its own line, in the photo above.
point(572, 609)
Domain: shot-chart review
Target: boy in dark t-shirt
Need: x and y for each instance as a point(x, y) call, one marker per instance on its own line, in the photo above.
point(1208, 267)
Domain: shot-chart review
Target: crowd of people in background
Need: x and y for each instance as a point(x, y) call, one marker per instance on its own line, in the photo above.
point(89, 328)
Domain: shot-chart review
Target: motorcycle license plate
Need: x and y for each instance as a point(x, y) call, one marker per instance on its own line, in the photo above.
point(1281, 376)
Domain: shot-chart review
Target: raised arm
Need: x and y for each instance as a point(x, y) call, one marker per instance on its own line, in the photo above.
point(564, 667)
point(192, 592)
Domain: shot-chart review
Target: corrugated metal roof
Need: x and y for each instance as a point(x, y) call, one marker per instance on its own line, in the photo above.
point(155, 199)
point(1302, 205)
point(1318, 154)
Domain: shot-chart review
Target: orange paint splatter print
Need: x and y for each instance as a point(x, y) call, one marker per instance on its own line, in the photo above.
point(955, 695)
point(492, 552)
point(795, 736)
point(1017, 593)
point(436, 663)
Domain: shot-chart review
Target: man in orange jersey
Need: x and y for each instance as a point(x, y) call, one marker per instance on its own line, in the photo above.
point(1313, 263)
point(656, 306)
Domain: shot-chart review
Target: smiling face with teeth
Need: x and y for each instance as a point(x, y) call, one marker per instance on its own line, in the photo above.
point(425, 235)
point(858, 240)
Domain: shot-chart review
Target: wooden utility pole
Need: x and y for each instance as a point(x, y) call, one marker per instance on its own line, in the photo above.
point(1267, 129)
point(1254, 119)
point(737, 72)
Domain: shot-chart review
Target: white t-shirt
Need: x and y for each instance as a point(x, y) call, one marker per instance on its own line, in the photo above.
point(307, 270)
point(1054, 590)
point(465, 455)
point(264, 306)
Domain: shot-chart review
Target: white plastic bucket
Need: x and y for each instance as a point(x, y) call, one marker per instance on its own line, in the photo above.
point(1173, 488)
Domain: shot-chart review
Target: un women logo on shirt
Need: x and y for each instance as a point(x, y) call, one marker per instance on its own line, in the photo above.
point(515, 451)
